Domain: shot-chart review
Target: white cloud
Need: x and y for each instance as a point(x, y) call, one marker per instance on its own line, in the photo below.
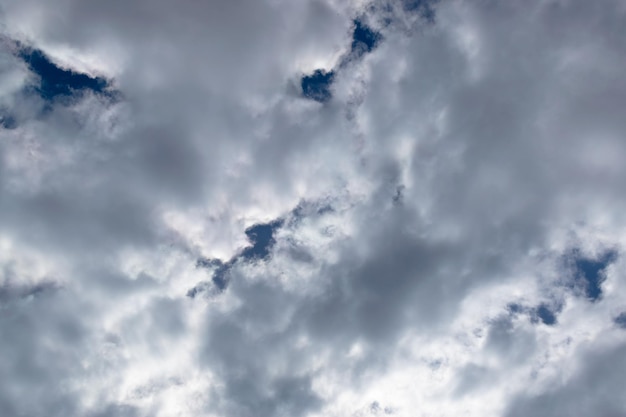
point(429, 210)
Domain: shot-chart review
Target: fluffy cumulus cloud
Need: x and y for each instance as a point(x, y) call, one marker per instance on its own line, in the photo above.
point(312, 208)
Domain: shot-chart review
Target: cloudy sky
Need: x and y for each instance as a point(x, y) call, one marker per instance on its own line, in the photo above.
point(267, 208)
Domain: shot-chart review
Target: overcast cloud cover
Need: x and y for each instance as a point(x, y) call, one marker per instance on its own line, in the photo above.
point(445, 219)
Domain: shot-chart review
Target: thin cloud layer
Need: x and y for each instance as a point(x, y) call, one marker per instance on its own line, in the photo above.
point(431, 227)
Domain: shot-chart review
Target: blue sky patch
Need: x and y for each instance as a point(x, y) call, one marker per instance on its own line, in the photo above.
point(544, 312)
point(364, 39)
point(546, 315)
point(261, 237)
point(621, 320)
point(220, 270)
point(590, 273)
point(55, 81)
point(317, 85)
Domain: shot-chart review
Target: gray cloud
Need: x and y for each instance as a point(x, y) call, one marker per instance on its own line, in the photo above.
point(426, 209)
point(594, 389)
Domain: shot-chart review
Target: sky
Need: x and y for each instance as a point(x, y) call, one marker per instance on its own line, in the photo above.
point(312, 208)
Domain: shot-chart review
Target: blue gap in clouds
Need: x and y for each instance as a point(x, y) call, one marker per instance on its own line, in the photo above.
point(57, 82)
point(546, 315)
point(261, 237)
point(591, 272)
point(219, 276)
point(364, 39)
point(317, 85)
point(220, 272)
point(543, 312)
